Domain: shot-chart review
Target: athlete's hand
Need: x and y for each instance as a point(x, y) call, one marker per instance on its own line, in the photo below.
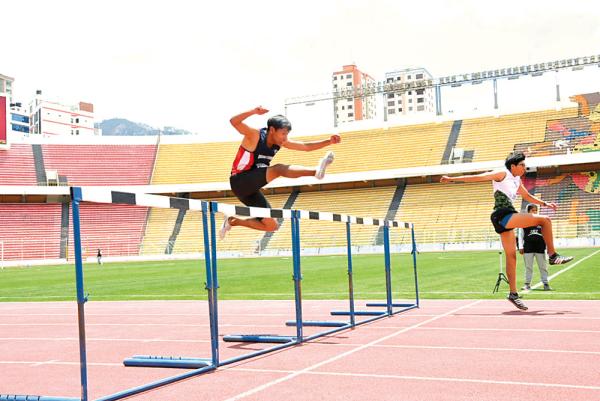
point(521, 251)
point(335, 139)
point(551, 205)
point(445, 179)
point(260, 110)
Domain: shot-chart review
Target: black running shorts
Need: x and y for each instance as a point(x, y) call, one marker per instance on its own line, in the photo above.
point(498, 215)
point(246, 187)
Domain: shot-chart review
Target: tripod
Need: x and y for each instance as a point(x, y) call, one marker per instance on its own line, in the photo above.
point(501, 276)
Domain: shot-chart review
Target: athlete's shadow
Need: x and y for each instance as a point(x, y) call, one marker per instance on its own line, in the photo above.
point(540, 312)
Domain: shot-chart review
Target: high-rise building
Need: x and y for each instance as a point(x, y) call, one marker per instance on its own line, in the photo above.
point(352, 108)
point(50, 118)
point(411, 102)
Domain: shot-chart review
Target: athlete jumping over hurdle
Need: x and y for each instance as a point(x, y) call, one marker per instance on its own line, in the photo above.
point(251, 168)
point(507, 184)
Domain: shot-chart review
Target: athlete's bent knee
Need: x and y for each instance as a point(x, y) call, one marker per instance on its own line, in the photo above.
point(271, 224)
point(542, 220)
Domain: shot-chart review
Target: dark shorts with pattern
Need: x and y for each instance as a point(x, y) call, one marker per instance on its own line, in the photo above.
point(246, 187)
point(499, 215)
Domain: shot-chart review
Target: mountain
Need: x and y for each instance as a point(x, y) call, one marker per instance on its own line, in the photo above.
point(124, 127)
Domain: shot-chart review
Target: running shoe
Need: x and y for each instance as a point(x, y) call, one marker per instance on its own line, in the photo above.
point(513, 297)
point(556, 259)
point(323, 163)
point(224, 228)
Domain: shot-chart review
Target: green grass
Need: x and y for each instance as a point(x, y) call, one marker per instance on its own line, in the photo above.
point(447, 275)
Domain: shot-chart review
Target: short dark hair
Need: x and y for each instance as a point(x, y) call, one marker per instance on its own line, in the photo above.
point(514, 158)
point(279, 122)
point(531, 206)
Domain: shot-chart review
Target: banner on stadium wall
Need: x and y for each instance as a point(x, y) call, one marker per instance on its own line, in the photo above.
point(4, 122)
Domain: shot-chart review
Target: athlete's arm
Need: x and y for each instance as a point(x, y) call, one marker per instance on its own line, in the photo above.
point(489, 176)
point(250, 134)
point(533, 199)
point(313, 145)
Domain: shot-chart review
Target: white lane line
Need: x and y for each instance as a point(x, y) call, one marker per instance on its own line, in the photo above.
point(425, 378)
point(569, 267)
point(50, 362)
point(347, 353)
point(532, 350)
point(57, 362)
point(511, 330)
point(143, 340)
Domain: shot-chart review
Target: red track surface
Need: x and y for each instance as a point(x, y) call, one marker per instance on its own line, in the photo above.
point(446, 350)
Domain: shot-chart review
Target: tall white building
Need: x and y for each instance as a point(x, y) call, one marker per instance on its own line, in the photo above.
point(352, 108)
point(51, 119)
point(410, 102)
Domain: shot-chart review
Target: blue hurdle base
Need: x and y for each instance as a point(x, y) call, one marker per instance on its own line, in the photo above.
point(10, 397)
point(258, 338)
point(150, 361)
point(317, 323)
point(358, 313)
point(394, 305)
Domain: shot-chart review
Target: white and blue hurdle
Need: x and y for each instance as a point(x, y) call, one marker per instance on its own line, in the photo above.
point(200, 365)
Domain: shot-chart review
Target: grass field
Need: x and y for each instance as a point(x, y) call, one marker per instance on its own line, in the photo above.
point(448, 275)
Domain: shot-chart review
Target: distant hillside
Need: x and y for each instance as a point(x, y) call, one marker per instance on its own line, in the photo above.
point(124, 127)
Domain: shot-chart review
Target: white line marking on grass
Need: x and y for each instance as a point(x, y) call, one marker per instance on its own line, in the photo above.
point(540, 284)
point(350, 352)
point(426, 378)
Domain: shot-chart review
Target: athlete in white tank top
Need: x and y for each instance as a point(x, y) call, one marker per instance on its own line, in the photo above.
point(505, 192)
point(509, 185)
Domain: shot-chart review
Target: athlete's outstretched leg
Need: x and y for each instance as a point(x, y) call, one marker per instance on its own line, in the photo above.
point(522, 220)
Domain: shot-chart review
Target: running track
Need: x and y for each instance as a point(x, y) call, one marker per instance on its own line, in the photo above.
point(446, 350)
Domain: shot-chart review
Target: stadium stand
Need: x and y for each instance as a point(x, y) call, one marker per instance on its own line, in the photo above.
point(371, 202)
point(116, 229)
point(492, 138)
point(159, 228)
point(30, 231)
point(17, 166)
point(101, 164)
point(578, 134)
point(194, 162)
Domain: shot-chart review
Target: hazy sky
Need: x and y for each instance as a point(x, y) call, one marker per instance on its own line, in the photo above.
point(195, 64)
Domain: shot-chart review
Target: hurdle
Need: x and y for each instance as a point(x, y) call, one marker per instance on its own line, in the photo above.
point(199, 365)
point(335, 326)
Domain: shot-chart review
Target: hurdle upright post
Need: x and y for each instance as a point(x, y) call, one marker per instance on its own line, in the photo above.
point(414, 257)
point(350, 277)
point(388, 268)
point(297, 273)
point(211, 279)
point(81, 298)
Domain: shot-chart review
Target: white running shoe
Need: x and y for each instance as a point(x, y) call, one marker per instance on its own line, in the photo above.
point(323, 163)
point(224, 228)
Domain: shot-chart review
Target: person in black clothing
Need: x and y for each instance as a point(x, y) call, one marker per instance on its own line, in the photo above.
point(532, 246)
point(99, 256)
point(251, 168)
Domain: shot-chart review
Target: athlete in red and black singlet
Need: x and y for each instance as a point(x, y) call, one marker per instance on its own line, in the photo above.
point(249, 172)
